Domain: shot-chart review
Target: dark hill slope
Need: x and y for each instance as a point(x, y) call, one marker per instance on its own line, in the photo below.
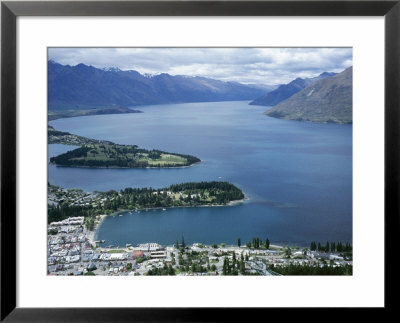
point(328, 101)
point(285, 91)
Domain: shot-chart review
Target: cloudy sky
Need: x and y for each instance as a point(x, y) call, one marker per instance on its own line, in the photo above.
point(246, 65)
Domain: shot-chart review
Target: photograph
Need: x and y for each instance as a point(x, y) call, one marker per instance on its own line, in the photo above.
point(199, 161)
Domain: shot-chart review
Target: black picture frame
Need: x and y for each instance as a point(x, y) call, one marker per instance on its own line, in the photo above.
point(10, 10)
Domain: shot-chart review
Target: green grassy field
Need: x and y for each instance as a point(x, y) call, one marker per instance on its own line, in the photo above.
point(96, 153)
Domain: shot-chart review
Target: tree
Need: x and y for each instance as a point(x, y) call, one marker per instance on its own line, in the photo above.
point(238, 241)
point(242, 268)
point(183, 243)
point(254, 243)
point(171, 271)
point(267, 243)
point(90, 273)
point(225, 267)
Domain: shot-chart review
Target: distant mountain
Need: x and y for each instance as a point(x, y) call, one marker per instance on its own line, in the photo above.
point(328, 100)
point(82, 87)
point(285, 91)
point(266, 88)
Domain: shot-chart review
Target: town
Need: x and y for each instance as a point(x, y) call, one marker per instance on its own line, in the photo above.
point(73, 250)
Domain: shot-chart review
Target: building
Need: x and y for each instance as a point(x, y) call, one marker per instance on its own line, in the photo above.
point(149, 247)
point(159, 254)
point(335, 257)
point(137, 254)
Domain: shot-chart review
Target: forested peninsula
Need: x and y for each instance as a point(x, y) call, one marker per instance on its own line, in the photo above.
point(65, 203)
point(105, 154)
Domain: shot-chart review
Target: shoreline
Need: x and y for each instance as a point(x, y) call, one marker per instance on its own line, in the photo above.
point(117, 167)
point(92, 234)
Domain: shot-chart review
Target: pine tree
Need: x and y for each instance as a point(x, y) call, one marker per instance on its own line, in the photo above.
point(267, 243)
point(225, 267)
point(327, 247)
point(239, 242)
point(242, 268)
point(183, 243)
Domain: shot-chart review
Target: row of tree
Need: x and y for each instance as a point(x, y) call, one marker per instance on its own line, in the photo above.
point(65, 211)
point(315, 270)
point(331, 247)
point(234, 267)
point(256, 243)
point(205, 193)
point(167, 270)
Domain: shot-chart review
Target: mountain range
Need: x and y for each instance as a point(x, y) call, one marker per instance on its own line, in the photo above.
point(285, 91)
point(328, 100)
point(85, 87)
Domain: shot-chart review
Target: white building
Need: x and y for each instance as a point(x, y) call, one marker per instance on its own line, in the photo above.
point(149, 247)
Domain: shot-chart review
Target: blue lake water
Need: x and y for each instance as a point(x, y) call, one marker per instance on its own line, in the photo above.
point(297, 175)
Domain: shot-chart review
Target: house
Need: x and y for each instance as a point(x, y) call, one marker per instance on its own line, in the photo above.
point(72, 258)
point(335, 257)
point(91, 266)
point(86, 257)
point(137, 254)
point(52, 269)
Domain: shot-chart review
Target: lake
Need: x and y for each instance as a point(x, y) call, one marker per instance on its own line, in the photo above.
point(297, 175)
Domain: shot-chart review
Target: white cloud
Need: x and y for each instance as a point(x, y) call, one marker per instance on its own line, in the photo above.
point(246, 65)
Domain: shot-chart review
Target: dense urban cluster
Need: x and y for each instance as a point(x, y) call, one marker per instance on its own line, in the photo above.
point(73, 250)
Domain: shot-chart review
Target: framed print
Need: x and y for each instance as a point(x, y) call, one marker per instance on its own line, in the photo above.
point(186, 153)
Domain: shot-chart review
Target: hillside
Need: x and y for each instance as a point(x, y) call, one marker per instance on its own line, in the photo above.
point(328, 100)
point(285, 91)
point(84, 87)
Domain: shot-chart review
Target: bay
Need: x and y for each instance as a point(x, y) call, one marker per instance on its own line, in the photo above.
point(297, 175)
